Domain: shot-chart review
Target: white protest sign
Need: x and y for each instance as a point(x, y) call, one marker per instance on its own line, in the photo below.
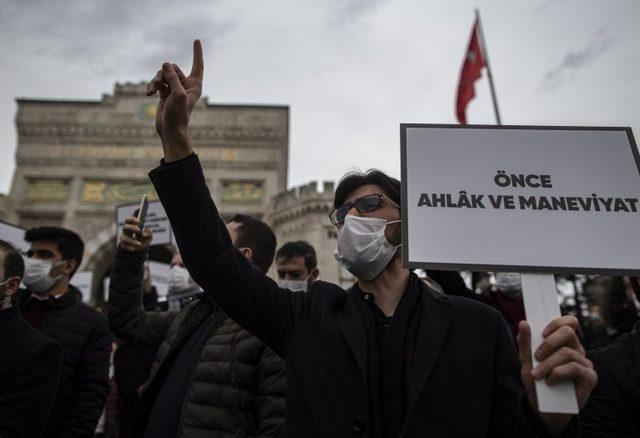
point(561, 200)
point(524, 199)
point(83, 280)
point(14, 235)
point(159, 278)
point(156, 220)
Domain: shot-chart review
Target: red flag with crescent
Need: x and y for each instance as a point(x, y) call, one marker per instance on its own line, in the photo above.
point(471, 71)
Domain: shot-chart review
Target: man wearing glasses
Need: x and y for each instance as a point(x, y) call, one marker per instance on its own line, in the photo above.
point(388, 358)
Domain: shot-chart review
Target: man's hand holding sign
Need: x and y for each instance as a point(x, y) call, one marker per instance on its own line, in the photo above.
point(561, 356)
point(561, 359)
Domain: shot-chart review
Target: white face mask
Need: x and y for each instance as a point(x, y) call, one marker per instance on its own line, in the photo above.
point(36, 275)
point(362, 246)
point(4, 298)
point(509, 284)
point(295, 285)
point(179, 279)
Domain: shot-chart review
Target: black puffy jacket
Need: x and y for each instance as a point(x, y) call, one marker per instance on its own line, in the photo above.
point(84, 335)
point(237, 388)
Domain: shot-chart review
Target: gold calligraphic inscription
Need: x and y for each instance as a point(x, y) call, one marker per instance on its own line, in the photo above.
point(147, 112)
point(242, 192)
point(48, 190)
point(109, 192)
point(138, 152)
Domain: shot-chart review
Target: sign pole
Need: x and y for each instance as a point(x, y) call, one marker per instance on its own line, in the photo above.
point(541, 307)
point(485, 55)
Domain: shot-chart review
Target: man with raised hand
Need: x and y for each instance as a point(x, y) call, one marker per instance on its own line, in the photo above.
point(210, 377)
point(390, 357)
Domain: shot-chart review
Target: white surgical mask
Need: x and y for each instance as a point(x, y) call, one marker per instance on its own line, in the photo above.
point(295, 285)
point(362, 246)
point(509, 284)
point(4, 298)
point(36, 275)
point(179, 279)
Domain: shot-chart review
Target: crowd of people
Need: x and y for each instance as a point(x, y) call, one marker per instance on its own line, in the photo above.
point(242, 355)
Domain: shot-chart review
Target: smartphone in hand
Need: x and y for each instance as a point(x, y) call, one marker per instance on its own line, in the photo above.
point(142, 211)
point(141, 214)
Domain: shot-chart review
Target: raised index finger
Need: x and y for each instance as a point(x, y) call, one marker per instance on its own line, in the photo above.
point(197, 69)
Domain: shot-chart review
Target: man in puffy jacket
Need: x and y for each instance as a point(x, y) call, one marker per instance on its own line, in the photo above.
point(210, 377)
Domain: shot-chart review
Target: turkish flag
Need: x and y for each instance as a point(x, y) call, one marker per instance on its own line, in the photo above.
point(471, 72)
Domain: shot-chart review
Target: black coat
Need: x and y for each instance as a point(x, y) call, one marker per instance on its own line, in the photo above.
point(84, 335)
point(613, 409)
point(464, 380)
point(30, 368)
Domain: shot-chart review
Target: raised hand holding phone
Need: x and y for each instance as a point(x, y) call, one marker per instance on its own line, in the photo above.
point(141, 213)
point(133, 237)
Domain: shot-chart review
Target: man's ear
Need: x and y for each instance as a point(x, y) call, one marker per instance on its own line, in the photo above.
point(314, 274)
point(247, 253)
point(12, 286)
point(69, 267)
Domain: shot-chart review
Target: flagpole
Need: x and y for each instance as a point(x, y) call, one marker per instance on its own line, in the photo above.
point(485, 55)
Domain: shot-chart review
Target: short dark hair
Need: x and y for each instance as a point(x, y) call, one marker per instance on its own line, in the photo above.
point(258, 236)
point(69, 243)
point(13, 262)
point(300, 248)
point(354, 180)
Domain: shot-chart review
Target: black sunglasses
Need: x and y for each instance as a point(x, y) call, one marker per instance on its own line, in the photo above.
point(363, 205)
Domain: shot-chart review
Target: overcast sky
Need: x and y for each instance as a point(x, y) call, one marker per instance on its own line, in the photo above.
point(350, 70)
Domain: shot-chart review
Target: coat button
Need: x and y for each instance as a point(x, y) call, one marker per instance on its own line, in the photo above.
point(358, 425)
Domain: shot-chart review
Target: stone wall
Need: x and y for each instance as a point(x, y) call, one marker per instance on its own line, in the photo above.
point(77, 160)
point(302, 213)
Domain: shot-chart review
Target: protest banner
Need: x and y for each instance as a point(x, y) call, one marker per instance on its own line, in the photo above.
point(159, 278)
point(523, 199)
point(83, 280)
point(156, 220)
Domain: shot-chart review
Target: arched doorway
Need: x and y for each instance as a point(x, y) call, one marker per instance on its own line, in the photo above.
point(101, 259)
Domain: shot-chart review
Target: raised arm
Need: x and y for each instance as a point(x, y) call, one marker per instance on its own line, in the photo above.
point(127, 316)
point(247, 295)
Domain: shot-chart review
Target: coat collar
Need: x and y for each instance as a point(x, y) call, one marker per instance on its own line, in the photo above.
point(432, 331)
point(64, 300)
